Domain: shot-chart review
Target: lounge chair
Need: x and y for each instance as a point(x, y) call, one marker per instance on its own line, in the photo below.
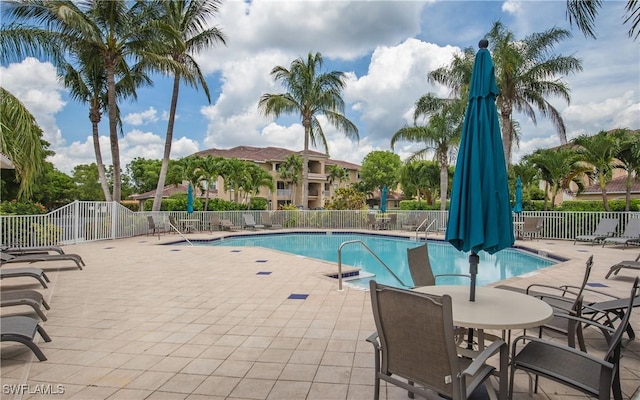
point(532, 227)
point(628, 264)
point(630, 235)
point(606, 228)
point(21, 250)
point(374, 223)
point(579, 370)
point(33, 258)
point(265, 219)
point(214, 222)
point(26, 297)
point(420, 267)
point(31, 272)
point(173, 225)
point(155, 227)
point(226, 224)
point(250, 222)
point(23, 330)
point(415, 341)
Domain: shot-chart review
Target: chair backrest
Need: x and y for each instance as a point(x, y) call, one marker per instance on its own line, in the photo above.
point(606, 226)
point(214, 220)
point(420, 266)
point(248, 219)
point(265, 217)
point(152, 224)
point(532, 224)
point(632, 230)
point(393, 218)
point(172, 221)
point(416, 335)
point(587, 272)
point(615, 345)
point(372, 219)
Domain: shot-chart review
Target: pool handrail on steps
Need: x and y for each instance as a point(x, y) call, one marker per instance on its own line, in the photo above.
point(370, 252)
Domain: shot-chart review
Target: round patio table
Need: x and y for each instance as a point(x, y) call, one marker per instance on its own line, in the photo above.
point(494, 308)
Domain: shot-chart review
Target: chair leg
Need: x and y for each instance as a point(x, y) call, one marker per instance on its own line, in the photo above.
point(409, 392)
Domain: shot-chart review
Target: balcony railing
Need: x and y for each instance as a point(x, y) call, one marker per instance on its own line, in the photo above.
point(83, 221)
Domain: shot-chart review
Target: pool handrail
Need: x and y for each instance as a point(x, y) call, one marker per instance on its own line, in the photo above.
point(370, 252)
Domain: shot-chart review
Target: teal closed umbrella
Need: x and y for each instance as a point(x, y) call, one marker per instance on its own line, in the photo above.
point(517, 208)
point(189, 199)
point(480, 209)
point(383, 199)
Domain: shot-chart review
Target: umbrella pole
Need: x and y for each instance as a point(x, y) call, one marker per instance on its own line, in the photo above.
point(474, 259)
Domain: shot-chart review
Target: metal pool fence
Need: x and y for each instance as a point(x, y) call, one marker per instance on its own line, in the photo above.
point(83, 221)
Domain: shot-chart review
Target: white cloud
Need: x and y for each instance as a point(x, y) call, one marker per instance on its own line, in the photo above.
point(142, 118)
point(36, 85)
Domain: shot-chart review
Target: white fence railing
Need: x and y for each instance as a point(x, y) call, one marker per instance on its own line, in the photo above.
point(83, 221)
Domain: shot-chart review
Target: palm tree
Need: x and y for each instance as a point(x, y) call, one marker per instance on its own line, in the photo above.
point(210, 168)
point(115, 33)
point(584, 13)
point(20, 140)
point(290, 172)
point(87, 83)
point(629, 157)
point(256, 179)
point(558, 168)
point(598, 153)
point(442, 134)
point(527, 72)
point(188, 19)
point(337, 174)
point(310, 93)
point(234, 173)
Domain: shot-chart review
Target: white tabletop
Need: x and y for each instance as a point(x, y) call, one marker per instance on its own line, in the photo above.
point(494, 308)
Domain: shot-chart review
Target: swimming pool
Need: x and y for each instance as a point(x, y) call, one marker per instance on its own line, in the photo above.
point(393, 251)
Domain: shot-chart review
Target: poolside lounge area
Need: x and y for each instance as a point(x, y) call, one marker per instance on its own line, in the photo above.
point(144, 321)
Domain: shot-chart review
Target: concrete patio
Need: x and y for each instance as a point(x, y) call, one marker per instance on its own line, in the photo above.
point(144, 321)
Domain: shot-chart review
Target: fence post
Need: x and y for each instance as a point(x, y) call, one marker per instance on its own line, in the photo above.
point(114, 218)
point(75, 218)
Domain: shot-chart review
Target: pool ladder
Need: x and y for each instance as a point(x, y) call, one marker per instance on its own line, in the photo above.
point(370, 252)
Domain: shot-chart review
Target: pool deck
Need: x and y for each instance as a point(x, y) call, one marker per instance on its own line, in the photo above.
point(143, 321)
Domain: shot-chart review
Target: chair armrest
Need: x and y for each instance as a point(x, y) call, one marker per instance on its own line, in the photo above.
point(590, 291)
point(466, 275)
point(373, 339)
point(564, 290)
point(560, 347)
point(483, 356)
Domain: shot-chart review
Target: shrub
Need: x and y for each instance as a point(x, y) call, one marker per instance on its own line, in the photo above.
point(14, 207)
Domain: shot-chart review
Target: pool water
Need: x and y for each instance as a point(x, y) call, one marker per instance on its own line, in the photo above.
point(444, 257)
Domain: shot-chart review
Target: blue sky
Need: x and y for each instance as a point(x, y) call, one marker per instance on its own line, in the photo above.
point(386, 48)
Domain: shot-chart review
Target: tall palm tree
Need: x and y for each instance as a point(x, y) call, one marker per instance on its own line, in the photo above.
point(118, 34)
point(87, 83)
point(598, 153)
point(20, 140)
point(337, 174)
point(441, 135)
point(310, 93)
point(188, 19)
point(527, 72)
point(584, 14)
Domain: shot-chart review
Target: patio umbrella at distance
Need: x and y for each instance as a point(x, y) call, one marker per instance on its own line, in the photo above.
point(517, 207)
point(480, 211)
point(190, 199)
point(383, 199)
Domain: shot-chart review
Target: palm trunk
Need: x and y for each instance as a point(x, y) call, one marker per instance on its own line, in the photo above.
point(627, 197)
point(94, 116)
point(157, 200)
point(507, 131)
point(444, 181)
point(305, 164)
point(113, 132)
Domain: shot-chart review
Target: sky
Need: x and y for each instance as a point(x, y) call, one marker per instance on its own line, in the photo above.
point(386, 50)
